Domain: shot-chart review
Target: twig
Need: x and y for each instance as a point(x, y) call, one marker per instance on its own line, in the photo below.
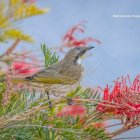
point(11, 49)
point(122, 130)
point(113, 125)
point(102, 102)
point(25, 114)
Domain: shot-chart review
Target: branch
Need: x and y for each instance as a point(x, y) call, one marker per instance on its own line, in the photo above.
point(8, 119)
point(11, 49)
point(123, 129)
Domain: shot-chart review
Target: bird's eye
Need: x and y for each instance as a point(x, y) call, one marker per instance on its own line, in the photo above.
point(83, 51)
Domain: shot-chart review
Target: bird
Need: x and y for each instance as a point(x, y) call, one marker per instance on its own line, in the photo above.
point(61, 77)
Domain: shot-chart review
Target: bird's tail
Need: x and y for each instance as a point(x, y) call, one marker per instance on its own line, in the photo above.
point(15, 80)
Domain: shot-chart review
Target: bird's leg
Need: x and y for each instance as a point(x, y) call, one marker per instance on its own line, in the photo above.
point(70, 101)
point(50, 103)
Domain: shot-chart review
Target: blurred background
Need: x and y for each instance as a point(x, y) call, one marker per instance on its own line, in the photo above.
point(117, 54)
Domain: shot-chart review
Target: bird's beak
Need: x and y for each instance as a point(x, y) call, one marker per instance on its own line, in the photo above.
point(89, 48)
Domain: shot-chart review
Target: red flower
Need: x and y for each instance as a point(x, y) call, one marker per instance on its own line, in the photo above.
point(73, 111)
point(24, 68)
point(123, 99)
point(99, 124)
point(70, 39)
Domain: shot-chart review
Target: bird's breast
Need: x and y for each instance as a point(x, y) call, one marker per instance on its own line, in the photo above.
point(73, 73)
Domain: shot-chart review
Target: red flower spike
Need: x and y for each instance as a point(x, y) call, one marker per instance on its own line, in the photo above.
point(20, 65)
point(99, 124)
point(124, 96)
point(70, 39)
point(73, 111)
point(23, 68)
point(106, 93)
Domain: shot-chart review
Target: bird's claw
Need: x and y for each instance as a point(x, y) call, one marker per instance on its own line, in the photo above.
point(50, 105)
point(70, 101)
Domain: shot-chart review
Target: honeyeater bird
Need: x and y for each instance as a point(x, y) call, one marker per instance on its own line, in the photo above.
point(61, 77)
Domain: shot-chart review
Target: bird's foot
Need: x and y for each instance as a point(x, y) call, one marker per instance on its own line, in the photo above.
point(50, 103)
point(70, 101)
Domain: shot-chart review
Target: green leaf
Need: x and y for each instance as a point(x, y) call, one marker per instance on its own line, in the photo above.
point(50, 57)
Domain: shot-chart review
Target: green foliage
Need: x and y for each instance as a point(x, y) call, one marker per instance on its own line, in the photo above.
point(50, 58)
point(26, 117)
point(72, 129)
point(26, 121)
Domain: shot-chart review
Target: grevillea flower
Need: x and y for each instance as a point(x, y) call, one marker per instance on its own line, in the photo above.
point(123, 98)
point(71, 40)
point(99, 124)
point(24, 68)
point(73, 111)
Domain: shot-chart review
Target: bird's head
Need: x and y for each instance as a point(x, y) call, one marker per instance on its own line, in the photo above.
point(76, 53)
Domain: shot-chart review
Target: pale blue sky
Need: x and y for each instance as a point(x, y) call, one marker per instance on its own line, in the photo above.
point(119, 52)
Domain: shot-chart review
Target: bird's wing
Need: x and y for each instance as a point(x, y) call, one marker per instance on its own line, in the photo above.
point(51, 75)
